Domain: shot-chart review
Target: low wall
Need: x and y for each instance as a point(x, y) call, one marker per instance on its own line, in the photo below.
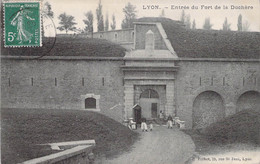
point(78, 154)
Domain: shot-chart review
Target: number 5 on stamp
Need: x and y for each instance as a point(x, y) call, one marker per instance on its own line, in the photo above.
point(22, 24)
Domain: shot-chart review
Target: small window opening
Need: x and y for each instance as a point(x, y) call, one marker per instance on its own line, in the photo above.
point(90, 103)
point(83, 81)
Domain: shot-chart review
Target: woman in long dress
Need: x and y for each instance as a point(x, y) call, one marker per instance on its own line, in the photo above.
point(22, 34)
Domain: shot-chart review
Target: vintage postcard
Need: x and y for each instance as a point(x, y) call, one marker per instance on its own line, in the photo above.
point(130, 82)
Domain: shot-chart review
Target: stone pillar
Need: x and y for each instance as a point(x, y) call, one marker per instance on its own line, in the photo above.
point(129, 100)
point(230, 109)
point(170, 99)
point(149, 41)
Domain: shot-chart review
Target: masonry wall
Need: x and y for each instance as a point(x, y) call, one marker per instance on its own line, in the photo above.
point(228, 79)
point(141, 30)
point(59, 84)
point(116, 36)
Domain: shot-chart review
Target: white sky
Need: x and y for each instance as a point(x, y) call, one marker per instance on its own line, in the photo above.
point(77, 8)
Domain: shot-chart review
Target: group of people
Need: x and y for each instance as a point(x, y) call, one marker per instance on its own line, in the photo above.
point(144, 125)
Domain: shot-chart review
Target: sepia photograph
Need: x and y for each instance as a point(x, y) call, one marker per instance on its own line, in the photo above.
point(130, 82)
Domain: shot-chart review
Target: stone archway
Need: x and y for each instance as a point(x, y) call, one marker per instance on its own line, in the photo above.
point(248, 100)
point(149, 101)
point(208, 107)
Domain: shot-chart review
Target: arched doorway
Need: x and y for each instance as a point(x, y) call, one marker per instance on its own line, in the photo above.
point(137, 113)
point(208, 108)
point(149, 101)
point(249, 100)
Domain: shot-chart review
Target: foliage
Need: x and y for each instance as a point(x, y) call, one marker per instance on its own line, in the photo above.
point(100, 19)
point(245, 26)
point(187, 22)
point(162, 14)
point(66, 23)
point(89, 22)
point(207, 25)
point(193, 24)
point(47, 9)
point(239, 23)
point(130, 15)
point(185, 19)
point(113, 24)
point(106, 23)
point(226, 25)
point(182, 16)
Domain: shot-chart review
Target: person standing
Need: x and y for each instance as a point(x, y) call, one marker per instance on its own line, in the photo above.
point(169, 121)
point(144, 125)
point(161, 114)
point(151, 125)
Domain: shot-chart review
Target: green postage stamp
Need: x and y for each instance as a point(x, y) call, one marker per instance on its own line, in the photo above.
point(22, 24)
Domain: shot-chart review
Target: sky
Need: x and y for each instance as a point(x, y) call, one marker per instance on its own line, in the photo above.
point(78, 8)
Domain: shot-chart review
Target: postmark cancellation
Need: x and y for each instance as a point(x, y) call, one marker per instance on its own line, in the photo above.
point(22, 24)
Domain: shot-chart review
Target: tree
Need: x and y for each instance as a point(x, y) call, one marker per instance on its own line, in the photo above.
point(89, 22)
point(100, 19)
point(226, 25)
point(187, 22)
point(47, 9)
point(193, 24)
point(163, 13)
point(239, 23)
point(207, 25)
point(130, 16)
point(182, 16)
point(246, 26)
point(66, 23)
point(113, 25)
point(106, 23)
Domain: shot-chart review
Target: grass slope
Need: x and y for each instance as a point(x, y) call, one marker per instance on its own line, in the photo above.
point(24, 129)
point(241, 127)
point(69, 46)
point(239, 131)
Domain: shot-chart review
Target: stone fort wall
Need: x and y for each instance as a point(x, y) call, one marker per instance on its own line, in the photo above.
point(59, 84)
point(227, 79)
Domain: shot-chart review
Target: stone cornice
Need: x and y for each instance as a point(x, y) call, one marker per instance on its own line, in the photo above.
point(128, 59)
point(60, 58)
point(150, 68)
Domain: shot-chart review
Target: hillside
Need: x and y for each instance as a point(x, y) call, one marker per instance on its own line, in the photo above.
point(24, 129)
point(69, 46)
point(242, 127)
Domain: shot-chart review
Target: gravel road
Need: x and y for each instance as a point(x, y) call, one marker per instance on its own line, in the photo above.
point(160, 146)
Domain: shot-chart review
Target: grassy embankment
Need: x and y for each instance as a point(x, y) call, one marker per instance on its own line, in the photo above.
point(237, 132)
point(24, 129)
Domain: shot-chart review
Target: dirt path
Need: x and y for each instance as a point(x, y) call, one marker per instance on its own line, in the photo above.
point(161, 146)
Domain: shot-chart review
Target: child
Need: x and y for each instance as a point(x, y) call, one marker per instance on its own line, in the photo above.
point(144, 125)
point(151, 126)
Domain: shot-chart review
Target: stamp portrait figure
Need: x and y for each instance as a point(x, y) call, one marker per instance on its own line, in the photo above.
point(22, 34)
